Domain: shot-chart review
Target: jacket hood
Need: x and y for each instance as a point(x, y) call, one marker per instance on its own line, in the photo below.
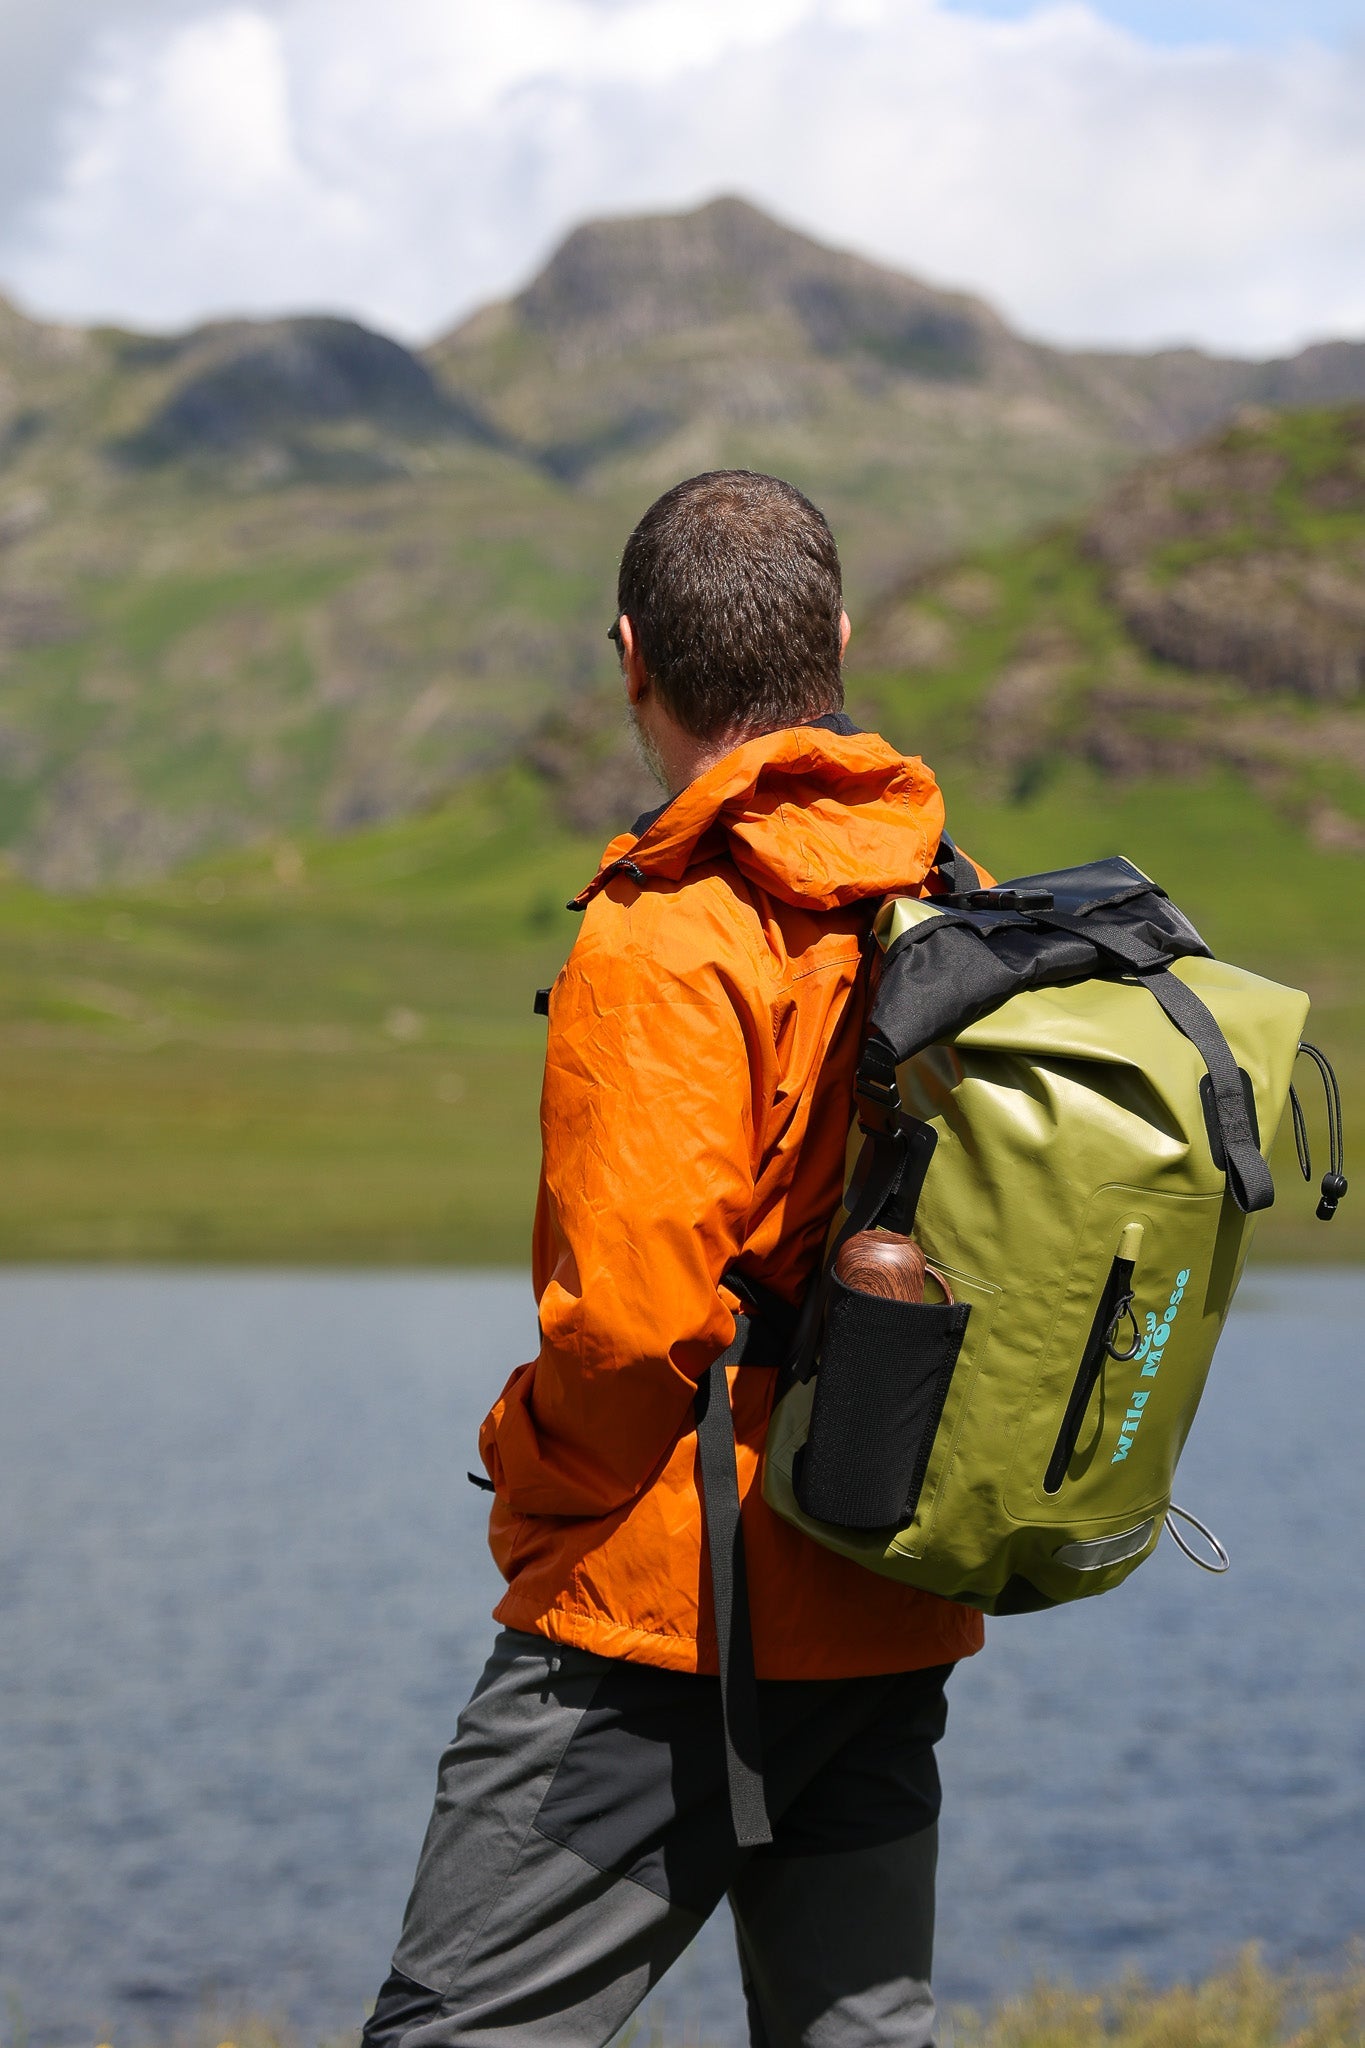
point(815, 818)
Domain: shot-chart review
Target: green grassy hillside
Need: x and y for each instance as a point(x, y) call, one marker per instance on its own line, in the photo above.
point(322, 1052)
point(289, 576)
point(324, 1049)
point(327, 1052)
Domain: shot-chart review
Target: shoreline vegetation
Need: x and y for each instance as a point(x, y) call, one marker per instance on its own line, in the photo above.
point(1248, 2004)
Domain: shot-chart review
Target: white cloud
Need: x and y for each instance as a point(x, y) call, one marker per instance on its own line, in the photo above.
point(408, 161)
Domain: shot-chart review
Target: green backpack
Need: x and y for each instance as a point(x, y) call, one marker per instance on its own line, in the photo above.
point(1069, 1102)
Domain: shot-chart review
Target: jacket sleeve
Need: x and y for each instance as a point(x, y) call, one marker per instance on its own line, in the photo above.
point(654, 1087)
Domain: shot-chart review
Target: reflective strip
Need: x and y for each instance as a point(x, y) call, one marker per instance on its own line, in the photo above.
point(1100, 1551)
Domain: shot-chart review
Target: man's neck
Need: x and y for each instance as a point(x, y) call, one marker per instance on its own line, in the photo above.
point(691, 763)
point(674, 757)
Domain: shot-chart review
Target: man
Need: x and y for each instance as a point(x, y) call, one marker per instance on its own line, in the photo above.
point(698, 1083)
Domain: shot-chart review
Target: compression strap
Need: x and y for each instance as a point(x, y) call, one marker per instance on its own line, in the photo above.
point(957, 871)
point(1249, 1181)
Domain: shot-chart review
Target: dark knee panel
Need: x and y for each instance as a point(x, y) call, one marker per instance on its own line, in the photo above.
point(400, 2006)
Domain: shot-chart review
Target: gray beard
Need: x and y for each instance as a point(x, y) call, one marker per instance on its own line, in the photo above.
point(645, 750)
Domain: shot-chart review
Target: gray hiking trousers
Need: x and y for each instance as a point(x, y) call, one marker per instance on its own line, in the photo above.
point(581, 1835)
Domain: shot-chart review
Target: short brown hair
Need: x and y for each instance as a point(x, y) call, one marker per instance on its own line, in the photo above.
point(732, 583)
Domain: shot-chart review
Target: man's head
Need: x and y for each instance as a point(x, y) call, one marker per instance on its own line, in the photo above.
point(732, 620)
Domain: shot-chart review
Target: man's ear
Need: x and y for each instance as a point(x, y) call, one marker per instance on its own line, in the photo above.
point(844, 630)
point(632, 662)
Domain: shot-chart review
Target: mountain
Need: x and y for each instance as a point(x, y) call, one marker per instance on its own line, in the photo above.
point(683, 283)
point(282, 576)
point(648, 344)
point(264, 576)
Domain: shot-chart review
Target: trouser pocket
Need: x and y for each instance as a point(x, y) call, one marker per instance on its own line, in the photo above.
point(884, 1372)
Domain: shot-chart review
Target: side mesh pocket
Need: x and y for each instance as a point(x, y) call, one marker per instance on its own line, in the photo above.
point(883, 1378)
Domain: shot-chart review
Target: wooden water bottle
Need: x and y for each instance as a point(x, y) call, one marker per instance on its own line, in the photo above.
point(884, 1263)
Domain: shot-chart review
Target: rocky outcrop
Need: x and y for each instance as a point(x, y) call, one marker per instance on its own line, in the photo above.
point(1208, 617)
point(1247, 557)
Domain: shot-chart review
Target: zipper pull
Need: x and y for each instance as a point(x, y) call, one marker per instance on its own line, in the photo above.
point(1127, 1255)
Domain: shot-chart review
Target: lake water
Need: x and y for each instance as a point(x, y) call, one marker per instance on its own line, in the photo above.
point(244, 1592)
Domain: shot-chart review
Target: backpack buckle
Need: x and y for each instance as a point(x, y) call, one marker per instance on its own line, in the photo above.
point(878, 1097)
point(1008, 898)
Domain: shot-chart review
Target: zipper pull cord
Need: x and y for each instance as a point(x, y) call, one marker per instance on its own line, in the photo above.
point(1334, 1181)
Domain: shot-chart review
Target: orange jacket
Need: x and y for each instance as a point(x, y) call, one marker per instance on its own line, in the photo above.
point(698, 1087)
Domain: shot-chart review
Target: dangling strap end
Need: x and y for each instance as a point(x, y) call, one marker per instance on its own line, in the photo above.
point(730, 1602)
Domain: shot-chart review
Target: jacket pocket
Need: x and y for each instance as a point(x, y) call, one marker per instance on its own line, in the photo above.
point(885, 1369)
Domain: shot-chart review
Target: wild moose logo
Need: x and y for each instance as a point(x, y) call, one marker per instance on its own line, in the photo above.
point(1149, 1354)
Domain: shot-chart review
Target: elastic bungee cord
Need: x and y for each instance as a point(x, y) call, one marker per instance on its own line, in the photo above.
point(1217, 1562)
point(1332, 1189)
point(1334, 1181)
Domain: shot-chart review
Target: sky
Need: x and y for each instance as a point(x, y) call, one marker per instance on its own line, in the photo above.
point(1123, 172)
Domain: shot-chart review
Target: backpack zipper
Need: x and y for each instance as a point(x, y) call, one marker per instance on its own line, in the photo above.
point(1115, 1300)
